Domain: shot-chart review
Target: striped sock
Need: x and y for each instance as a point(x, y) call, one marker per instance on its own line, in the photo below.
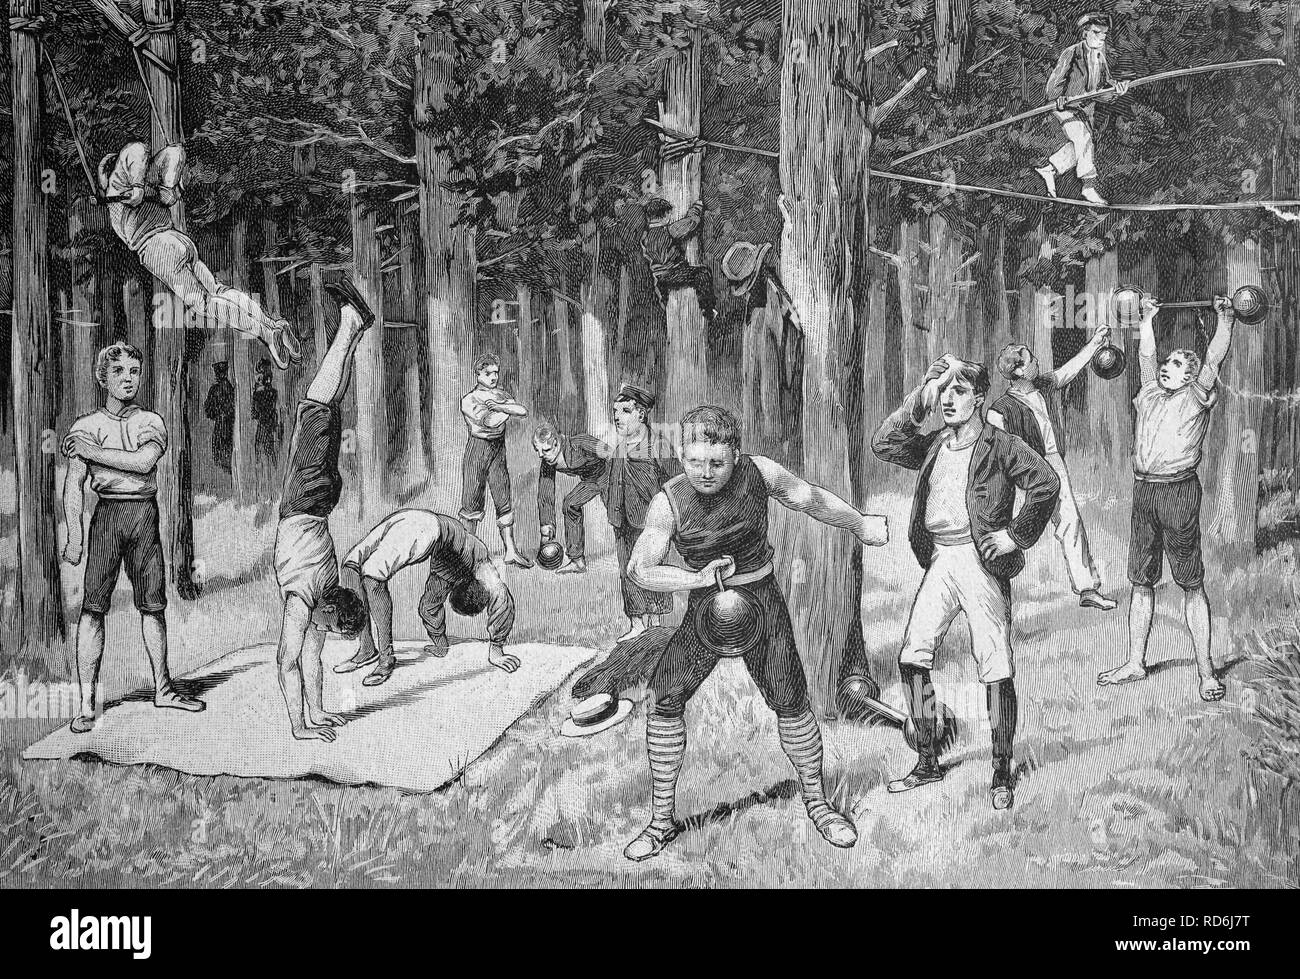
point(802, 742)
point(665, 739)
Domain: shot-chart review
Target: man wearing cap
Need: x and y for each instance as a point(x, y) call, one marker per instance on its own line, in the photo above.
point(582, 456)
point(716, 513)
point(635, 471)
point(663, 242)
point(487, 409)
point(1082, 68)
point(460, 572)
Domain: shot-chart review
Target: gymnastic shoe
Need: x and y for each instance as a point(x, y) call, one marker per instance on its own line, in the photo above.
point(1090, 194)
point(924, 773)
point(289, 337)
point(1095, 599)
point(345, 292)
point(650, 842)
point(1049, 177)
point(836, 828)
point(283, 346)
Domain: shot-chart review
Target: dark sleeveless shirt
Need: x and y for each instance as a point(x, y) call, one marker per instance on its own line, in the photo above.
point(731, 522)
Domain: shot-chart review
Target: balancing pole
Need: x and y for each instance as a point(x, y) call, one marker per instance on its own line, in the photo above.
point(1090, 97)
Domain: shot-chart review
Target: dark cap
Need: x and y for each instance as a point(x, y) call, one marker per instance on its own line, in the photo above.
point(1096, 17)
point(220, 365)
point(632, 392)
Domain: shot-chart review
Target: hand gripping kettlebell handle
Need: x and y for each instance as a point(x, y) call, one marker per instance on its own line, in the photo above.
point(717, 576)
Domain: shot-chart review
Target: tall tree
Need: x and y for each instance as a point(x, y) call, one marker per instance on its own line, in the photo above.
point(244, 476)
point(1110, 425)
point(371, 390)
point(686, 356)
point(33, 349)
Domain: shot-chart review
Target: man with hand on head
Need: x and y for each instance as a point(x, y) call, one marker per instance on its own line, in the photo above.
point(487, 409)
point(460, 572)
point(970, 539)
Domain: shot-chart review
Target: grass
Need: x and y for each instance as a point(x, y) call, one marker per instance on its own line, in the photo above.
point(1142, 786)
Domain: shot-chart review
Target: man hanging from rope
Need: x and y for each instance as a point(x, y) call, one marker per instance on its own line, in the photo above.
point(1082, 68)
point(141, 192)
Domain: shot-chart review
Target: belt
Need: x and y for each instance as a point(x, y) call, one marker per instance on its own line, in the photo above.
point(747, 577)
point(1154, 478)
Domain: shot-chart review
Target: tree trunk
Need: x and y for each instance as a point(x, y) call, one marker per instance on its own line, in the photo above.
point(372, 409)
point(414, 463)
point(83, 330)
point(448, 259)
point(176, 346)
point(951, 30)
point(686, 380)
point(320, 334)
point(40, 592)
point(567, 411)
point(597, 288)
point(243, 465)
point(526, 335)
point(824, 153)
point(618, 358)
point(1236, 515)
point(1109, 417)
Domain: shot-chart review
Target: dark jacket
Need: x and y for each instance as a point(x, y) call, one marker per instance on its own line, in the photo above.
point(1019, 420)
point(630, 482)
point(584, 456)
point(1070, 78)
point(664, 245)
point(1000, 464)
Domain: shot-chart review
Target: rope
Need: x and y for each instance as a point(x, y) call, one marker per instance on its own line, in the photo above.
point(153, 106)
point(29, 25)
point(998, 192)
point(67, 114)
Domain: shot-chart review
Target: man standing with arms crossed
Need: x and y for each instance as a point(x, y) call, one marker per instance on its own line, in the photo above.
point(1173, 415)
point(1024, 411)
point(486, 410)
point(118, 447)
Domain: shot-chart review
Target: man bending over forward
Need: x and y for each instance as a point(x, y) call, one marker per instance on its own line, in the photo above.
point(460, 570)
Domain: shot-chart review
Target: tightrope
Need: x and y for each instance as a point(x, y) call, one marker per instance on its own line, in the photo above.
point(999, 192)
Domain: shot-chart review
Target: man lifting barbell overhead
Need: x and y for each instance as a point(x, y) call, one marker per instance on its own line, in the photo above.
point(970, 539)
point(1082, 68)
point(1173, 415)
point(716, 514)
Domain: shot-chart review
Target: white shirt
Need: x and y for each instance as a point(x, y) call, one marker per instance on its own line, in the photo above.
point(946, 516)
point(481, 416)
point(129, 431)
point(401, 539)
point(1035, 402)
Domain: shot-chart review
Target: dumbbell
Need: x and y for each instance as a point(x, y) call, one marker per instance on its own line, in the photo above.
point(859, 700)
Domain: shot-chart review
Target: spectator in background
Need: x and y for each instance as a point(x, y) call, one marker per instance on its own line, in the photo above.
point(220, 409)
point(266, 414)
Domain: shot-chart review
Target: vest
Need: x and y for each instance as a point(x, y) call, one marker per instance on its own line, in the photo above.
point(732, 522)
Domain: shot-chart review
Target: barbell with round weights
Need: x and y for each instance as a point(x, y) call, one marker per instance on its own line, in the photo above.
point(1250, 304)
point(859, 700)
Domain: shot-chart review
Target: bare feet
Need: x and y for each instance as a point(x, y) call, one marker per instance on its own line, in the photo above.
point(327, 720)
point(309, 733)
point(638, 627)
point(1121, 674)
point(1212, 689)
point(502, 660)
point(573, 567)
point(518, 560)
point(170, 698)
point(82, 724)
point(437, 647)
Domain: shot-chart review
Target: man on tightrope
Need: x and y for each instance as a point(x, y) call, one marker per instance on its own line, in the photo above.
point(1082, 68)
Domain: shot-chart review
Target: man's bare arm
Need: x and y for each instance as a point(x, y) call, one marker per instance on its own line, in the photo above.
point(646, 566)
point(1219, 344)
point(293, 630)
point(1072, 368)
point(74, 503)
point(819, 503)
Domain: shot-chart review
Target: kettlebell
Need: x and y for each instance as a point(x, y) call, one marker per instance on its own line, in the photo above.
point(730, 622)
point(550, 555)
point(1108, 362)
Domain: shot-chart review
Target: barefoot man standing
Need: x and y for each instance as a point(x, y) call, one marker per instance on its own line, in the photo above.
point(118, 447)
point(1173, 415)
